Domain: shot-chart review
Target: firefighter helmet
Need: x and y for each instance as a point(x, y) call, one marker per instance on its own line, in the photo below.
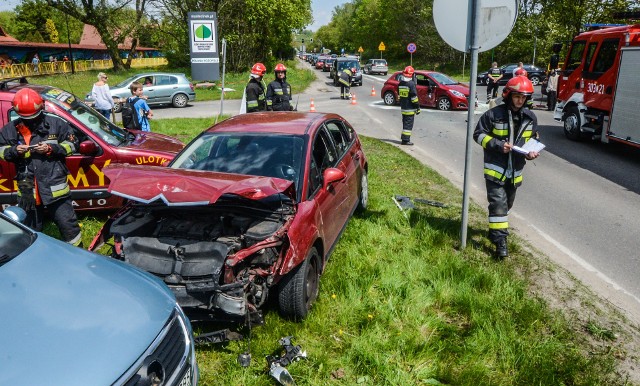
point(408, 72)
point(280, 68)
point(258, 69)
point(521, 72)
point(519, 85)
point(27, 103)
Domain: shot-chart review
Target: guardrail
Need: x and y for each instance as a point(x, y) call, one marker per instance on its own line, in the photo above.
point(50, 68)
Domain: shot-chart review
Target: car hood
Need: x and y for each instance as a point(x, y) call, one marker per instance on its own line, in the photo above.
point(53, 329)
point(460, 87)
point(180, 187)
point(145, 140)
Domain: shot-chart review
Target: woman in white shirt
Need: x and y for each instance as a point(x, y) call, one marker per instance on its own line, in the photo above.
point(102, 96)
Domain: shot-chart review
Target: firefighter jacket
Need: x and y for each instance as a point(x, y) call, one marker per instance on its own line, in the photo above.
point(495, 73)
point(279, 95)
point(256, 99)
point(409, 104)
point(345, 78)
point(500, 125)
point(48, 170)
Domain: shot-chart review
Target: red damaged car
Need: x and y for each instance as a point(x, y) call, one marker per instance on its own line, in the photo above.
point(252, 206)
point(435, 89)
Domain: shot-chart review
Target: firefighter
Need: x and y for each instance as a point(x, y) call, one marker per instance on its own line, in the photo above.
point(279, 91)
point(409, 104)
point(255, 91)
point(505, 125)
point(494, 75)
point(345, 82)
point(37, 143)
point(523, 72)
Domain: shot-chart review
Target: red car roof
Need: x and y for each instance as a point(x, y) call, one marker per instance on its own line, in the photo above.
point(296, 123)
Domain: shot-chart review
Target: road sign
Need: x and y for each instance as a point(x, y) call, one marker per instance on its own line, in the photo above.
point(360, 49)
point(411, 47)
point(381, 47)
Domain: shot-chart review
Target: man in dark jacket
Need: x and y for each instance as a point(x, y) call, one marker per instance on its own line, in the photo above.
point(409, 104)
point(37, 143)
point(279, 91)
point(255, 91)
point(345, 83)
point(493, 77)
point(497, 131)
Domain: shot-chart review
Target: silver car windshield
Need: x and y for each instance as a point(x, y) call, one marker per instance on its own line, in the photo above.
point(13, 240)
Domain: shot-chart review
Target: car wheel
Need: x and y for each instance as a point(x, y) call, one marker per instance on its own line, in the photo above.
point(535, 80)
point(117, 106)
point(572, 123)
point(180, 100)
point(299, 289)
point(444, 104)
point(389, 98)
point(363, 197)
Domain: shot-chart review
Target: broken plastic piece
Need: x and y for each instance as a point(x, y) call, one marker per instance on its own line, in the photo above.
point(244, 359)
point(281, 375)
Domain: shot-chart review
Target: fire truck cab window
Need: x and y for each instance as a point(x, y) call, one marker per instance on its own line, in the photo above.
point(574, 59)
point(606, 55)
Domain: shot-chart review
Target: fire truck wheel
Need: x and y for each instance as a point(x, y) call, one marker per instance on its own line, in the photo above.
point(572, 123)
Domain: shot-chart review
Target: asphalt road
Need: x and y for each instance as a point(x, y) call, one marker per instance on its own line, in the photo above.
point(578, 204)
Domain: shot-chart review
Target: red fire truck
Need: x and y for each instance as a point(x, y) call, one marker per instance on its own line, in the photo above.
point(599, 86)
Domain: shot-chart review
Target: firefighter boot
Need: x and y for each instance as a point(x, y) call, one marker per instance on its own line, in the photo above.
point(501, 249)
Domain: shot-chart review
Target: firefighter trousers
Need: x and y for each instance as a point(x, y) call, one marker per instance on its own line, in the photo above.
point(501, 198)
point(492, 90)
point(63, 215)
point(345, 91)
point(407, 127)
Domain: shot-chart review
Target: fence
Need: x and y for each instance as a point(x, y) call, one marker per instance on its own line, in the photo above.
point(47, 68)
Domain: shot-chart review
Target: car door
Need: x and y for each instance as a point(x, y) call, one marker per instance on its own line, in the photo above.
point(149, 88)
point(343, 141)
point(422, 86)
point(165, 87)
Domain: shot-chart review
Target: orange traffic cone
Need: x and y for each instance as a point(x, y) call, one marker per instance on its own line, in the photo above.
point(312, 108)
point(373, 91)
point(353, 99)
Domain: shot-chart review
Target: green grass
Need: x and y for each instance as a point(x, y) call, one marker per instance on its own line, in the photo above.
point(400, 304)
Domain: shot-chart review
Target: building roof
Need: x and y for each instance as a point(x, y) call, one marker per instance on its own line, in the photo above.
point(5, 37)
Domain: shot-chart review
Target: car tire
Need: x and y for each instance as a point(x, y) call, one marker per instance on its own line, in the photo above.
point(389, 98)
point(535, 80)
point(180, 100)
point(571, 123)
point(117, 106)
point(363, 197)
point(444, 104)
point(298, 290)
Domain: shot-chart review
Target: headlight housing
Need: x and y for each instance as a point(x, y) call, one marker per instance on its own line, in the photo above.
point(457, 93)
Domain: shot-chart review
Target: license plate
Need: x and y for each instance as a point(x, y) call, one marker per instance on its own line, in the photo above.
point(186, 378)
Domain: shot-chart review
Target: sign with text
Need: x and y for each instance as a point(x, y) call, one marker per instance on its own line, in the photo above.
point(203, 46)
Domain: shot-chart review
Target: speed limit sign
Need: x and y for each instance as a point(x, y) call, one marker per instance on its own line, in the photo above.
point(411, 47)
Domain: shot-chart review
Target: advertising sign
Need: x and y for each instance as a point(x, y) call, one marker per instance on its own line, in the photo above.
point(203, 46)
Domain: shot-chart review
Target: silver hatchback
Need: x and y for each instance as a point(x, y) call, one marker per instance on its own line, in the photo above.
point(376, 66)
point(159, 87)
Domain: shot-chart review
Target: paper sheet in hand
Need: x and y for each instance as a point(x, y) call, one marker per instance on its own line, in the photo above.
point(530, 145)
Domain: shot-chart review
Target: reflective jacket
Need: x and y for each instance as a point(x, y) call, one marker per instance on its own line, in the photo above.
point(256, 99)
point(409, 103)
point(49, 170)
point(493, 130)
point(345, 78)
point(279, 95)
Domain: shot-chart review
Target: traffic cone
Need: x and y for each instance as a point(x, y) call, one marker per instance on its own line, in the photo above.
point(353, 99)
point(312, 108)
point(373, 91)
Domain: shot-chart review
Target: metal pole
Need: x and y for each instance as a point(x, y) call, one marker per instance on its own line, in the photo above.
point(535, 41)
point(224, 61)
point(464, 63)
point(412, 59)
point(474, 26)
point(73, 69)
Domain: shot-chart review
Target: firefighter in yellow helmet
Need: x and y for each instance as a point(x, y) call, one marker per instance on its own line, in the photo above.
point(409, 104)
point(255, 91)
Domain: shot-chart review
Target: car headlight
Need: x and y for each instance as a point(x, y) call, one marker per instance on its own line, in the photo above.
point(457, 93)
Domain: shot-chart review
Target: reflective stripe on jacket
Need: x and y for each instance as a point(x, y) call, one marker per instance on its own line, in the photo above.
point(256, 98)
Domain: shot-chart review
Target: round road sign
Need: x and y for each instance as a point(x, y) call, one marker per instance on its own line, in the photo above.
point(411, 47)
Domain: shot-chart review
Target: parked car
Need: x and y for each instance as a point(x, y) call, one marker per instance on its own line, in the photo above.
point(160, 89)
point(535, 74)
point(320, 63)
point(434, 90)
point(342, 63)
point(327, 65)
point(85, 319)
point(252, 206)
point(376, 66)
point(101, 143)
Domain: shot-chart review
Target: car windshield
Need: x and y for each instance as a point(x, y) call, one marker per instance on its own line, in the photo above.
point(126, 82)
point(92, 119)
point(443, 79)
point(13, 240)
point(348, 64)
point(254, 154)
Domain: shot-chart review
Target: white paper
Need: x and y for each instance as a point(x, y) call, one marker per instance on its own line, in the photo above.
point(529, 146)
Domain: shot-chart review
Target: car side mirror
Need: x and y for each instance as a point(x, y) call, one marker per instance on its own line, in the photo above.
point(15, 213)
point(88, 148)
point(331, 176)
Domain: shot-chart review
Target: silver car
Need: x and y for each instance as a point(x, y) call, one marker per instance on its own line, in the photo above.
point(159, 88)
point(376, 66)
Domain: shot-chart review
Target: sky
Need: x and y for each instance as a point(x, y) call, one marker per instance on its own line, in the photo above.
point(8, 5)
point(322, 10)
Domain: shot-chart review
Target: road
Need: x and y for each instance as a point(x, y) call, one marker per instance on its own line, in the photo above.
point(578, 204)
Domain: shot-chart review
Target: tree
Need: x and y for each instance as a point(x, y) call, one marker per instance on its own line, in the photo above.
point(51, 31)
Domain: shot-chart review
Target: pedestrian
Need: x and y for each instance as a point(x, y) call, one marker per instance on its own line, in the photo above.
point(279, 91)
point(3, 66)
point(345, 83)
point(143, 112)
point(493, 77)
point(497, 131)
point(409, 104)
point(55, 64)
point(520, 67)
point(103, 102)
point(255, 90)
point(552, 90)
point(35, 61)
point(37, 143)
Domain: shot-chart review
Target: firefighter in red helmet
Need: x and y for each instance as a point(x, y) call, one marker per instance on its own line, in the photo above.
point(255, 91)
point(497, 131)
point(409, 104)
point(279, 91)
point(37, 143)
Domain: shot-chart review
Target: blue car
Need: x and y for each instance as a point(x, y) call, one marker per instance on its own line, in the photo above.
point(72, 317)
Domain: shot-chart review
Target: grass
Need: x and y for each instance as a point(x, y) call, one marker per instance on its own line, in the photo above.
point(80, 83)
point(400, 304)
